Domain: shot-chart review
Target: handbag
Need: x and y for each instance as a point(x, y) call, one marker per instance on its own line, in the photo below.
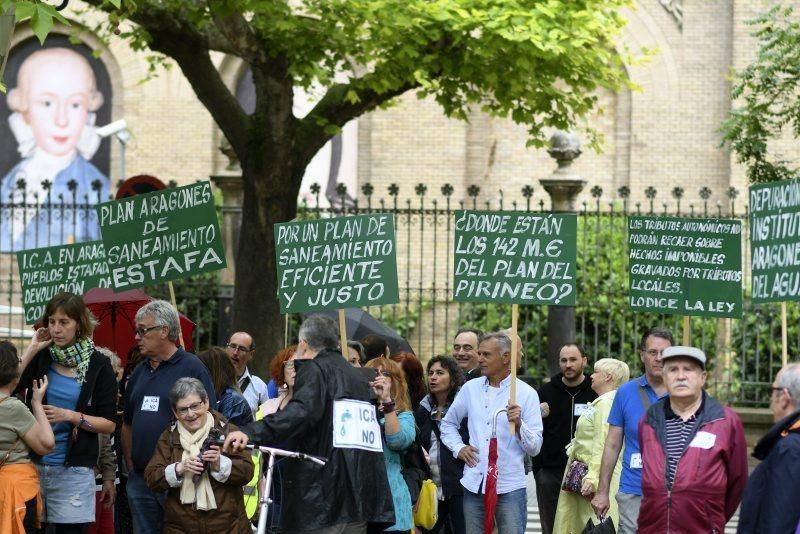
point(426, 511)
point(573, 478)
point(605, 526)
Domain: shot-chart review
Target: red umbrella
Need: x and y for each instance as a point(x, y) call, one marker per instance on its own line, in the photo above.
point(490, 490)
point(116, 313)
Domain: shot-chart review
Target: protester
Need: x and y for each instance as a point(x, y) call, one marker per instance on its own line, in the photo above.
point(230, 401)
point(352, 489)
point(20, 433)
point(398, 432)
point(574, 509)
point(563, 400)
point(769, 505)
point(355, 353)
point(81, 403)
point(692, 429)
point(204, 487)
point(412, 370)
point(630, 404)
point(375, 346)
point(465, 351)
point(147, 411)
point(241, 349)
point(479, 400)
point(445, 378)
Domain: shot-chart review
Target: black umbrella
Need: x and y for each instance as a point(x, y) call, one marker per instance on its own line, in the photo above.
point(360, 324)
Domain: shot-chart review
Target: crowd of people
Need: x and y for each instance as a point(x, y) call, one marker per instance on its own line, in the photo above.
point(85, 444)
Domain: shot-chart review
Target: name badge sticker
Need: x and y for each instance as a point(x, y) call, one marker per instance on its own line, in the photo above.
point(150, 403)
point(636, 460)
point(703, 440)
point(355, 426)
point(579, 409)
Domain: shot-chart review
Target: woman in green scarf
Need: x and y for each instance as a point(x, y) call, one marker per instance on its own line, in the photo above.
point(80, 403)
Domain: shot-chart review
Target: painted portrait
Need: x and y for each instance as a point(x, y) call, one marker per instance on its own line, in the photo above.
point(57, 95)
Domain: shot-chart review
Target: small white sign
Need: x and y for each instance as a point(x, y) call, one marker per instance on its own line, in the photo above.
point(636, 461)
point(579, 409)
point(704, 440)
point(355, 426)
point(150, 404)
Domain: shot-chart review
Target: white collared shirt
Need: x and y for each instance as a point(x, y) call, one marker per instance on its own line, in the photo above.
point(475, 402)
point(256, 391)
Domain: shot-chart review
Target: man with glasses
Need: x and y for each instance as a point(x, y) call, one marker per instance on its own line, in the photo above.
point(241, 350)
point(147, 410)
point(770, 503)
point(631, 402)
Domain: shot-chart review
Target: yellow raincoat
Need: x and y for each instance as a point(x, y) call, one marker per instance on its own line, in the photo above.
point(587, 446)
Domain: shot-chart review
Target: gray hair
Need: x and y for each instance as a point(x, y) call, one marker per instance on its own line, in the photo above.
point(184, 387)
point(163, 313)
point(502, 339)
point(790, 379)
point(320, 332)
point(112, 357)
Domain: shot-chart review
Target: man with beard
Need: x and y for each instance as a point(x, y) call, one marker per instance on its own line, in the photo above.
point(563, 399)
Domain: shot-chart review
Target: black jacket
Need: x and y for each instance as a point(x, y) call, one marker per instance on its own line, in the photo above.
point(451, 469)
point(771, 502)
point(98, 397)
point(559, 426)
point(353, 485)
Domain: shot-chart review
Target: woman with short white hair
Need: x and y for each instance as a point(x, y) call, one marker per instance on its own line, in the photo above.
point(586, 450)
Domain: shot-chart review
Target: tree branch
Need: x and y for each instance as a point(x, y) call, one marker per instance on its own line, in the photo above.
point(238, 32)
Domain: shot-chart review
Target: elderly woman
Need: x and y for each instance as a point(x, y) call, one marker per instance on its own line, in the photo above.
point(20, 433)
point(81, 402)
point(399, 431)
point(203, 485)
point(574, 509)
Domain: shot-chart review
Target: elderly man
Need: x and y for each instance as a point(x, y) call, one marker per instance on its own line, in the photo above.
point(694, 454)
point(630, 404)
point(241, 349)
point(147, 410)
point(352, 490)
point(479, 400)
point(563, 399)
point(465, 351)
point(770, 503)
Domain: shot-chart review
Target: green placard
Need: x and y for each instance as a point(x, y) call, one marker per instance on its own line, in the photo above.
point(46, 271)
point(685, 266)
point(344, 262)
point(775, 241)
point(515, 257)
point(161, 236)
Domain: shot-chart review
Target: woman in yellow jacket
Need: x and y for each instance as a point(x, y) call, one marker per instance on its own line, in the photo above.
point(574, 509)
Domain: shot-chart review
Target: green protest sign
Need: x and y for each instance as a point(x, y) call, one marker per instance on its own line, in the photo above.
point(44, 272)
point(515, 258)
point(161, 236)
point(775, 241)
point(344, 262)
point(685, 266)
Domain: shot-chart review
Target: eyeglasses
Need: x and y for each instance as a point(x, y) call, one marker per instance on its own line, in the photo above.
point(773, 389)
point(654, 352)
point(194, 408)
point(289, 364)
point(141, 332)
point(385, 373)
point(237, 348)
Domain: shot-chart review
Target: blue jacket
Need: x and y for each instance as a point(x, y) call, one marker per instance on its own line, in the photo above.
point(234, 407)
point(771, 503)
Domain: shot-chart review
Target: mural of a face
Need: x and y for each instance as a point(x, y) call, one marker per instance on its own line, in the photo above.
point(56, 91)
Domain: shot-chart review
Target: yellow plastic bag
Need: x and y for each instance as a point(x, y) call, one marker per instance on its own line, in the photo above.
point(427, 507)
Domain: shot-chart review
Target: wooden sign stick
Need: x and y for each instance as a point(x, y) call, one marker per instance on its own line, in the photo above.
point(784, 348)
point(514, 350)
point(286, 330)
point(687, 330)
point(343, 333)
point(175, 305)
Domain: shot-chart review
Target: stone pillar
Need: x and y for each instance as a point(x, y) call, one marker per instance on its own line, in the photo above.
point(563, 186)
point(232, 186)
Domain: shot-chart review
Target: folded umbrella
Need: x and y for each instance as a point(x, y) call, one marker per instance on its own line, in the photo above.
point(490, 488)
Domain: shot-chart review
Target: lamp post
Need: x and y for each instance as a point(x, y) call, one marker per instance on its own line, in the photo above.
point(6, 32)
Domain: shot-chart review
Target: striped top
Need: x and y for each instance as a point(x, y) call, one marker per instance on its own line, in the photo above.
point(678, 432)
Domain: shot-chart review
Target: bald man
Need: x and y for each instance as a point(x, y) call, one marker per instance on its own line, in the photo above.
point(54, 105)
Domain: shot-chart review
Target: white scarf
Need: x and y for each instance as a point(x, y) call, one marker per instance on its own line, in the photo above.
point(202, 493)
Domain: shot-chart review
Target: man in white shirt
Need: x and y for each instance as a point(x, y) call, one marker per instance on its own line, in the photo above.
point(479, 400)
point(240, 350)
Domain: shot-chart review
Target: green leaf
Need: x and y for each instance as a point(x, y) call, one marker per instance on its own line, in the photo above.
point(24, 10)
point(42, 21)
point(116, 3)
